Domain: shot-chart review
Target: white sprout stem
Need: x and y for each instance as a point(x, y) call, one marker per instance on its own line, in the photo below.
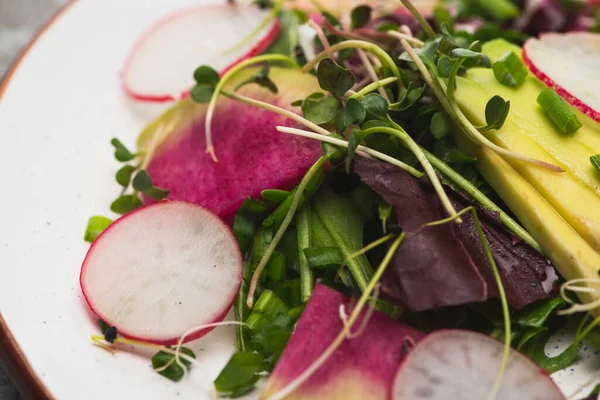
point(371, 71)
point(367, 317)
point(321, 35)
point(373, 86)
point(410, 39)
point(361, 150)
point(573, 285)
point(228, 75)
point(456, 112)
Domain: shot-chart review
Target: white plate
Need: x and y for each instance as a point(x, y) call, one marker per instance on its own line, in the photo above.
point(60, 107)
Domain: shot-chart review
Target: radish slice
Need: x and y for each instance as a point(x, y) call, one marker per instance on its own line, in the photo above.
point(455, 364)
point(162, 270)
point(161, 65)
point(568, 63)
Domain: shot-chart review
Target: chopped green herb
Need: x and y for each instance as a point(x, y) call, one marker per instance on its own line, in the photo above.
point(324, 257)
point(96, 225)
point(595, 160)
point(270, 304)
point(173, 371)
point(558, 111)
point(246, 220)
point(275, 195)
point(510, 70)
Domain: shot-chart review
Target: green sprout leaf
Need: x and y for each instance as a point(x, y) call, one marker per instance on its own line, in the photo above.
point(496, 112)
point(473, 55)
point(246, 221)
point(95, 226)
point(425, 53)
point(321, 109)
point(125, 204)
point(385, 213)
point(375, 104)
point(206, 80)
point(444, 66)
point(536, 314)
point(121, 152)
point(360, 16)
point(275, 195)
point(441, 125)
point(510, 70)
point(173, 372)
point(442, 16)
point(353, 113)
point(142, 182)
point(334, 153)
point(123, 175)
point(334, 78)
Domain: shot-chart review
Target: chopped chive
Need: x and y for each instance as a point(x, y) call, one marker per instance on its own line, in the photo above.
point(172, 370)
point(256, 320)
point(276, 267)
point(270, 304)
point(510, 70)
point(303, 233)
point(324, 257)
point(240, 374)
point(244, 223)
point(96, 225)
point(275, 195)
point(558, 111)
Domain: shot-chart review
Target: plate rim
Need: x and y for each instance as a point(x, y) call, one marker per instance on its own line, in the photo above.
point(12, 356)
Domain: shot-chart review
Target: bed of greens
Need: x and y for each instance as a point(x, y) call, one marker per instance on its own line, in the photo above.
point(399, 200)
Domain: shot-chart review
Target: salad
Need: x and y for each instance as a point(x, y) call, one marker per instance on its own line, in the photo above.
point(398, 200)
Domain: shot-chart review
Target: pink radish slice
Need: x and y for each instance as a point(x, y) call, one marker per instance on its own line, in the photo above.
point(568, 63)
point(456, 364)
point(160, 67)
point(162, 270)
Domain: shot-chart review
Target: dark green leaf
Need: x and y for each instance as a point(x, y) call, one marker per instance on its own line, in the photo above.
point(356, 138)
point(121, 152)
point(536, 314)
point(529, 334)
point(375, 104)
point(123, 175)
point(595, 160)
point(510, 70)
point(206, 75)
point(444, 66)
point(103, 326)
point(95, 226)
point(496, 112)
point(334, 153)
point(246, 221)
point(352, 114)
point(240, 374)
point(173, 372)
point(470, 54)
point(360, 16)
point(334, 78)
point(202, 93)
point(458, 157)
point(414, 92)
point(157, 193)
point(535, 349)
point(427, 52)
point(276, 267)
point(270, 304)
point(442, 16)
point(324, 257)
point(297, 103)
point(261, 78)
point(125, 204)
point(142, 181)
point(441, 125)
point(593, 338)
point(329, 17)
point(558, 111)
point(321, 109)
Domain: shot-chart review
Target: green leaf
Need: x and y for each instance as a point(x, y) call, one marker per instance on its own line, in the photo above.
point(246, 221)
point(356, 138)
point(125, 204)
point(441, 125)
point(352, 114)
point(276, 267)
point(202, 93)
point(442, 16)
point(275, 195)
point(595, 160)
point(321, 109)
point(360, 16)
point(206, 75)
point(262, 79)
point(536, 314)
point(535, 349)
point(385, 213)
point(157, 193)
point(329, 17)
point(334, 78)
point(240, 374)
point(173, 372)
point(458, 157)
point(593, 338)
point(470, 54)
point(529, 334)
point(95, 226)
point(121, 152)
point(270, 304)
point(123, 175)
point(413, 95)
point(510, 70)
point(425, 53)
point(324, 257)
point(334, 153)
point(376, 104)
point(142, 181)
point(444, 66)
point(496, 112)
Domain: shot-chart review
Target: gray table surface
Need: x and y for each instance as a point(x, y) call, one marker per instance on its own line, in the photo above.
point(19, 20)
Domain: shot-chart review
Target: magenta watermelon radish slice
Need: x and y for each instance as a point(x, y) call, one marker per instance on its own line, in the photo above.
point(568, 63)
point(361, 368)
point(456, 364)
point(253, 156)
point(161, 65)
point(162, 270)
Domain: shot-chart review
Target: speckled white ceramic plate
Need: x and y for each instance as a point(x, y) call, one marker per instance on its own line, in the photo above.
point(59, 107)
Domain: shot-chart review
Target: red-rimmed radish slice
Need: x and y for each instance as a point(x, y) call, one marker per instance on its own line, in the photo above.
point(161, 65)
point(162, 270)
point(456, 364)
point(568, 63)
